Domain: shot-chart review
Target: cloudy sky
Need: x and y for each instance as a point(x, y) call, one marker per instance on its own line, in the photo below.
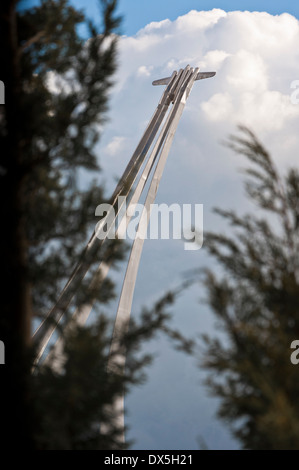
point(256, 57)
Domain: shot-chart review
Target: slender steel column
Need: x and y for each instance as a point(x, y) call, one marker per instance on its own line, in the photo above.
point(82, 313)
point(178, 88)
point(45, 330)
point(117, 357)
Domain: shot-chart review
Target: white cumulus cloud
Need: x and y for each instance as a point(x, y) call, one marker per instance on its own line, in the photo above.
point(256, 58)
point(115, 146)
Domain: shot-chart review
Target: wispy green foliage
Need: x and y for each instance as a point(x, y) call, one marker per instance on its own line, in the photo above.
point(56, 95)
point(256, 302)
point(74, 394)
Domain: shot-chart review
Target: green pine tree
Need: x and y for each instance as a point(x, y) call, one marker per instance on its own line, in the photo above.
point(56, 96)
point(56, 92)
point(256, 303)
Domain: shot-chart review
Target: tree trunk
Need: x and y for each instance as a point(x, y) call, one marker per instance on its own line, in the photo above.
point(15, 301)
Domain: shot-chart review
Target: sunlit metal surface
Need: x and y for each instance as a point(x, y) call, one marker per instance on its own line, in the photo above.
point(178, 88)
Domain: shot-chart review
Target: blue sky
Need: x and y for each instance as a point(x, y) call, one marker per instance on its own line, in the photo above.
point(139, 13)
point(136, 14)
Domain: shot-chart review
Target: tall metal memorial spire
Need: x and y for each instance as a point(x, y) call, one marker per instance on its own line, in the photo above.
point(151, 153)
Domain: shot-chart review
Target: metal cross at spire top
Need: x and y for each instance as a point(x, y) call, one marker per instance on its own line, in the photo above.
point(158, 137)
